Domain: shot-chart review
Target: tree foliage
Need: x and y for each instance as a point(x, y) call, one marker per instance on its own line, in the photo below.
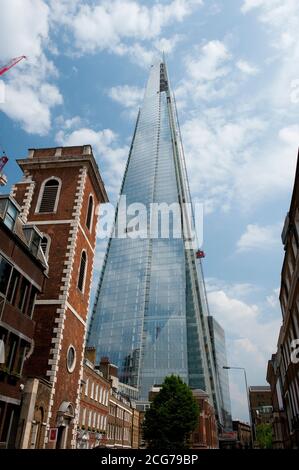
point(173, 415)
point(264, 436)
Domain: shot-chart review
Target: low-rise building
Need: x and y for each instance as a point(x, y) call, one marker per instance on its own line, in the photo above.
point(281, 434)
point(94, 408)
point(260, 406)
point(205, 435)
point(120, 421)
point(243, 434)
point(108, 415)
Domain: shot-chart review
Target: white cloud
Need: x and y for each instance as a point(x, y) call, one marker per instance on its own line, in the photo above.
point(247, 68)
point(20, 35)
point(290, 135)
point(258, 238)
point(251, 4)
point(29, 97)
point(71, 123)
point(127, 96)
point(111, 157)
point(273, 299)
point(251, 337)
point(216, 146)
point(206, 74)
point(108, 25)
point(280, 19)
point(241, 290)
point(209, 64)
point(246, 327)
point(167, 45)
point(231, 158)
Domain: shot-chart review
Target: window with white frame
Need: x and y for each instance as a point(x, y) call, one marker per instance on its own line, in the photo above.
point(49, 196)
point(83, 416)
point(86, 387)
point(45, 245)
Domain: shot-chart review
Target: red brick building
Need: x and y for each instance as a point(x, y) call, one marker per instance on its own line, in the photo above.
point(260, 406)
point(123, 425)
point(205, 436)
point(59, 193)
point(22, 276)
point(243, 434)
point(94, 408)
point(283, 367)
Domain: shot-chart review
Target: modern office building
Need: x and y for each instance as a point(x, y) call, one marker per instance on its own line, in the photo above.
point(150, 312)
point(220, 359)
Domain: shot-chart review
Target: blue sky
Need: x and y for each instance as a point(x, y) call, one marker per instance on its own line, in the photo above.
point(232, 65)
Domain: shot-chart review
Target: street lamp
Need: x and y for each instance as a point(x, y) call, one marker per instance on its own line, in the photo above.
point(247, 394)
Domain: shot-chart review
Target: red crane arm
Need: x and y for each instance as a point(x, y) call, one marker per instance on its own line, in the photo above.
point(10, 64)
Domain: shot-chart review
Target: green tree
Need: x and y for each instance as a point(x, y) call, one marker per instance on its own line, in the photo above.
point(264, 436)
point(173, 415)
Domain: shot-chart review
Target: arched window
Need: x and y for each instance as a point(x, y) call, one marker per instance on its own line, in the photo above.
point(89, 213)
point(45, 245)
point(49, 195)
point(82, 271)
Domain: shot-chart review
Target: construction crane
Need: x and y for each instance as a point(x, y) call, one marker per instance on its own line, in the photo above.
point(3, 158)
point(11, 64)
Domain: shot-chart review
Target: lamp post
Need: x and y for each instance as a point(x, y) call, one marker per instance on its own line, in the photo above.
point(247, 394)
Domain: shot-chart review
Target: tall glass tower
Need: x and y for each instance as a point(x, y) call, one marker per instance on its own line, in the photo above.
point(150, 311)
point(219, 353)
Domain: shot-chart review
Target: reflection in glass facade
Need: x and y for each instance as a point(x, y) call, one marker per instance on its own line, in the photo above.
point(219, 354)
point(150, 312)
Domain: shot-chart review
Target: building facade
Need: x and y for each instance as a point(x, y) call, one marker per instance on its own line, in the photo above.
point(150, 312)
point(94, 408)
point(220, 359)
point(59, 194)
point(283, 368)
point(123, 428)
point(261, 408)
point(206, 434)
point(243, 434)
point(23, 271)
point(120, 421)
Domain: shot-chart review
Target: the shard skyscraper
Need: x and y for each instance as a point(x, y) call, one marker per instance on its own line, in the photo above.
point(150, 312)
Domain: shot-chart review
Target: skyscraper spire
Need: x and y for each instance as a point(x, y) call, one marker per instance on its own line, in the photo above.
point(150, 312)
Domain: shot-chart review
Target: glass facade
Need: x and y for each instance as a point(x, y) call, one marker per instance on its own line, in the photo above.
point(149, 316)
point(219, 354)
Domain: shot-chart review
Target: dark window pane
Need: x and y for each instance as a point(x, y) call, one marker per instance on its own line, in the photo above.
point(13, 286)
point(82, 272)
point(10, 216)
point(5, 270)
point(89, 212)
point(23, 295)
point(35, 242)
point(31, 301)
point(44, 245)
